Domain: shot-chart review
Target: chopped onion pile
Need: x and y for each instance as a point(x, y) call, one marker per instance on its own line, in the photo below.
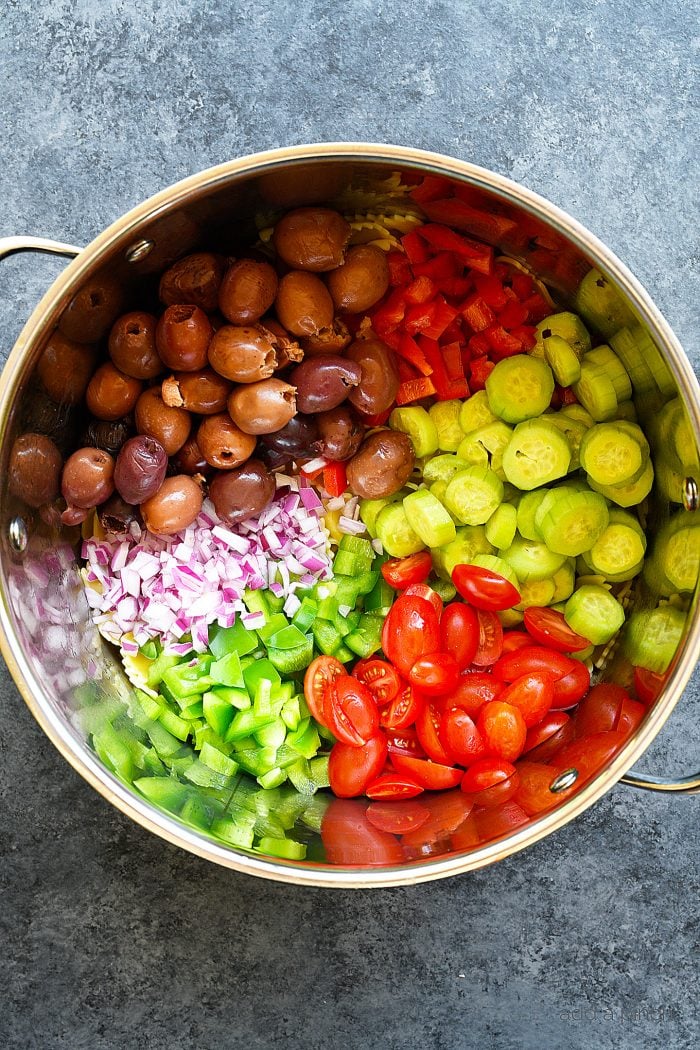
point(173, 588)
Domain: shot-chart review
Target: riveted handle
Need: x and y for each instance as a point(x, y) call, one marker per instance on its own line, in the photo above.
point(13, 245)
point(689, 785)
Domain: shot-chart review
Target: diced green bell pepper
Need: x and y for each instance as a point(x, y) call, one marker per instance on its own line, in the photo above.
point(236, 639)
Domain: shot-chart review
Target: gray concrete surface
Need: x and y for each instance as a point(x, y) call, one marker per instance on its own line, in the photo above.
point(112, 939)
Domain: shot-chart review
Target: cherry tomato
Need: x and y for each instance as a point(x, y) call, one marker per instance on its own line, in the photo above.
point(474, 690)
point(490, 639)
point(352, 714)
point(532, 694)
point(648, 684)
point(492, 823)
point(544, 740)
point(431, 775)
point(460, 736)
point(466, 836)
point(350, 769)
point(549, 627)
point(428, 729)
point(398, 818)
point(599, 711)
point(380, 678)
point(404, 742)
point(350, 840)
point(459, 633)
point(503, 728)
point(448, 812)
point(320, 673)
point(435, 674)
point(410, 630)
point(589, 754)
point(484, 588)
point(421, 590)
point(491, 781)
point(403, 709)
point(533, 658)
point(631, 714)
point(572, 687)
point(515, 640)
point(533, 792)
point(393, 785)
point(402, 572)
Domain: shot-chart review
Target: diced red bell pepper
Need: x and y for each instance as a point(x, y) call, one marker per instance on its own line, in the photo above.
point(389, 314)
point(419, 317)
point(445, 387)
point(522, 284)
point(441, 267)
point(452, 356)
point(502, 343)
point(335, 480)
point(414, 390)
point(375, 421)
point(392, 339)
point(415, 248)
point(566, 395)
point(476, 255)
point(479, 345)
point(406, 371)
point(526, 334)
point(477, 313)
point(409, 350)
point(399, 268)
point(492, 228)
point(422, 289)
point(431, 188)
point(537, 308)
point(491, 290)
point(443, 316)
point(479, 371)
point(513, 315)
point(454, 332)
point(456, 287)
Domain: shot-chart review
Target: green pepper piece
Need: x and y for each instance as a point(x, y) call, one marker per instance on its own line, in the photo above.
point(217, 760)
point(272, 779)
point(149, 650)
point(113, 751)
point(258, 670)
point(236, 639)
point(161, 664)
point(163, 791)
point(257, 601)
point(245, 723)
point(289, 661)
point(361, 549)
point(272, 735)
point(218, 712)
point(184, 680)
point(326, 636)
point(227, 671)
point(175, 725)
point(305, 614)
point(367, 637)
point(380, 598)
point(305, 739)
point(289, 637)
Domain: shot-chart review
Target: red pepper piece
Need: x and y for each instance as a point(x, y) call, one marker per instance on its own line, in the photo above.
point(479, 345)
point(513, 315)
point(390, 313)
point(526, 335)
point(491, 290)
point(456, 287)
point(399, 268)
point(442, 318)
point(502, 343)
point(422, 289)
point(415, 248)
point(445, 387)
point(441, 267)
point(522, 284)
point(431, 188)
point(409, 350)
point(406, 370)
point(479, 371)
point(452, 356)
point(392, 339)
point(453, 333)
point(477, 313)
point(474, 254)
point(492, 228)
point(375, 421)
point(335, 481)
point(414, 390)
point(419, 317)
point(537, 308)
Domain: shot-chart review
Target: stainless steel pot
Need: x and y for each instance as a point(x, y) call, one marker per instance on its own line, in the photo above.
point(52, 649)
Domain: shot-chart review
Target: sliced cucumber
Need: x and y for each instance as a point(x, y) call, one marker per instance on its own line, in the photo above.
point(429, 519)
point(607, 359)
point(473, 494)
point(574, 522)
point(475, 412)
point(484, 447)
point(532, 561)
point(502, 525)
point(617, 552)
point(395, 533)
point(601, 305)
point(469, 542)
point(611, 455)
point(564, 580)
point(536, 592)
point(574, 431)
point(593, 613)
point(579, 413)
point(652, 637)
point(562, 359)
point(445, 416)
point(527, 511)
point(442, 468)
point(596, 392)
point(495, 564)
point(567, 326)
point(628, 495)
point(536, 454)
point(415, 421)
point(520, 388)
point(625, 345)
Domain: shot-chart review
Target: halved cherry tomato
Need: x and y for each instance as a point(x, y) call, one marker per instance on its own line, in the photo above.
point(515, 640)
point(428, 728)
point(599, 711)
point(410, 630)
point(431, 775)
point(492, 823)
point(533, 792)
point(531, 659)
point(491, 781)
point(589, 754)
point(532, 694)
point(543, 740)
point(460, 736)
point(484, 588)
point(648, 685)
point(474, 690)
point(393, 785)
point(631, 714)
point(422, 590)
point(398, 818)
point(572, 687)
point(459, 632)
point(380, 678)
point(549, 627)
point(503, 728)
point(320, 673)
point(350, 840)
point(435, 674)
point(402, 572)
point(448, 811)
point(404, 742)
point(490, 639)
point(466, 836)
point(351, 711)
point(351, 769)
point(403, 709)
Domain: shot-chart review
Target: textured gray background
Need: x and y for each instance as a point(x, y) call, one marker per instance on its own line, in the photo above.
point(109, 937)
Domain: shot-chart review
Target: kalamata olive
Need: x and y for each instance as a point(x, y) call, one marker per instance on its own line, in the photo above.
point(91, 313)
point(261, 408)
point(88, 478)
point(194, 281)
point(132, 345)
point(182, 337)
point(35, 469)
point(303, 304)
point(222, 443)
point(65, 368)
point(287, 349)
point(41, 415)
point(312, 239)
point(175, 505)
point(203, 392)
point(109, 435)
point(243, 354)
point(331, 340)
point(116, 516)
point(382, 465)
point(189, 460)
point(340, 433)
point(324, 382)
point(170, 426)
point(361, 280)
point(140, 469)
point(303, 184)
point(380, 378)
point(247, 291)
point(297, 440)
point(242, 493)
point(111, 394)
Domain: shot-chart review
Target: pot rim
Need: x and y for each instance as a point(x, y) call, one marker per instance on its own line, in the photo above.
point(61, 733)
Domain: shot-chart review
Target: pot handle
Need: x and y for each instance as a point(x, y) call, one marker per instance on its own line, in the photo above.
point(12, 245)
point(689, 785)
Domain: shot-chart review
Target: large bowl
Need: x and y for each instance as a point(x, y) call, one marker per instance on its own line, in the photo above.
point(48, 641)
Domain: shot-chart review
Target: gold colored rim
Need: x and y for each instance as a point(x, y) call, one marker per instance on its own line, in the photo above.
point(76, 752)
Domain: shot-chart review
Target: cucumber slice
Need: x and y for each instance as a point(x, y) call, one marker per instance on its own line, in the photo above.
point(536, 454)
point(625, 345)
point(663, 377)
point(564, 580)
point(596, 392)
point(520, 388)
point(527, 511)
point(618, 551)
point(502, 525)
point(473, 494)
point(475, 412)
point(670, 478)
point(653, 636)
point(575, 522)
point(395, 532)
point(679, 558)
point(510, 617)
point(573, 430)
point(416, 422)
point(611, 364)
point(552, 496)
point(445, 416)
point(441, 468)
point(684, 441)
point(429, 519)
point(370, 509)
point(484, 447)
point(601, 305)
point(532, 561)
point(630, 494)
point(626, 411)
point(469, 542)
point(567, 326)
point(495, 564)
point(537, 593)
point(611, 455)
point(562, 359)
point(593, 613)
point(579, 413)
